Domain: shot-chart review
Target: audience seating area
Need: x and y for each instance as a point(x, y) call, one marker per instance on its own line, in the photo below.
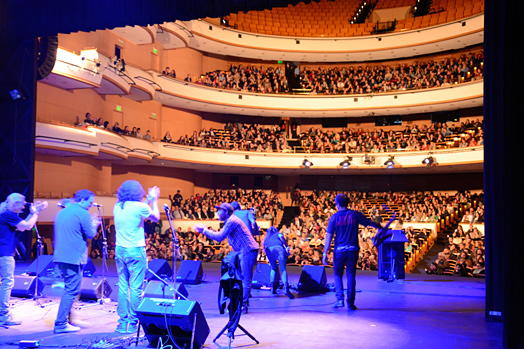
point(274, 138)
point(344, 80)
point(332, 18)
point(422, 215)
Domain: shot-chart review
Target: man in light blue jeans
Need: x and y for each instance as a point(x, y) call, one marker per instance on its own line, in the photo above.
point(7, 271)
point(130, 253)
point(131, 264)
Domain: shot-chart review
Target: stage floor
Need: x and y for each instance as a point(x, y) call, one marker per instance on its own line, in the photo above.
point(422, 311)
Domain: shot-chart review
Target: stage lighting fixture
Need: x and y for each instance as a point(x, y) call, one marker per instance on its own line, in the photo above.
point(368, 160)
point(390, 163)
point(15, 94)
point(346, 163)
point(306, 163)
point(429, 161)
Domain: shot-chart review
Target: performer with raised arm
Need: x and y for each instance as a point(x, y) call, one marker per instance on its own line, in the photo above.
point(240, 239)
point(73, 227)
point(131, 261)
point(343, 225)
point(10, 222)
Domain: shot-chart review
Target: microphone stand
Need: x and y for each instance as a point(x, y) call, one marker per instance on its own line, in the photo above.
point(174, 248)
point(104, 265)
point(36, 296)
point(104, 255)
point(168, 285)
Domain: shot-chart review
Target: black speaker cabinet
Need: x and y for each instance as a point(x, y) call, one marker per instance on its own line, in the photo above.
point(25, 286)
point(89, 269)
point(190, 272)
point(262, 275)
point(46, 266)
point(163, 319)
point(313, 279)
point(161, 268)
point(157, 289)
point(95, 289)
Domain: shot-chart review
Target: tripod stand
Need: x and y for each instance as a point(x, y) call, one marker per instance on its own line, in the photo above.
point(231, 287)
point(36, 295)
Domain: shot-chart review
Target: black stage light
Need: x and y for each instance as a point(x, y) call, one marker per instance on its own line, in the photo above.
point(306, 163)
point(429, 161)
point(390, 163)
point(346, 162)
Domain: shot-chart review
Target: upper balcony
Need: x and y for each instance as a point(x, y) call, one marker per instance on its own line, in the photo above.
point(102, 144)
point(96, 71)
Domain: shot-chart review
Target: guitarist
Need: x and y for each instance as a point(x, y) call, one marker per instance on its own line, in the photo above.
point(343, 225)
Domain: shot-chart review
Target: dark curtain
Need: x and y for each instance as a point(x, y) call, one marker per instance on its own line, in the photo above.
point(503, 97)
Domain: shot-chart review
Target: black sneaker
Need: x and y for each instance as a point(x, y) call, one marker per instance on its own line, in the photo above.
point(352, 306)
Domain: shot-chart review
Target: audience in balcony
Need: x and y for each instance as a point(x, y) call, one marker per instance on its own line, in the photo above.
point(238, 136)
point(346, 80)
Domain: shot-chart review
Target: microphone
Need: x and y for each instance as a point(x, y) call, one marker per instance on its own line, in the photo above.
point(97, 205)
point(61, 205)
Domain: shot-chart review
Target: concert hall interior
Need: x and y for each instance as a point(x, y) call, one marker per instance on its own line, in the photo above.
point(279, 105)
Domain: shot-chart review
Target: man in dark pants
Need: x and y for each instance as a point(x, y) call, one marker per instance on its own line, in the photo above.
point(240, 239)
point(10, 222)
point(73, 227)
point(344, 224)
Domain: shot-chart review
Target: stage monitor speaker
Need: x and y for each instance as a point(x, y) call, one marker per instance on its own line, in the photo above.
point(313, 279)
point(157, 289)
point(190, 272)
point(25, 286)
point(262, 276)
point(89, 269)
point(161, 268)
point(168, 319)
point(46, 266)
point(95, 289)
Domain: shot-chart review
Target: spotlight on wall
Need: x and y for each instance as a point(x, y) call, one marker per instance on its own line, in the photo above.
point(346, 162)
point(306, 163)
point(429, 161)
point(390, 163)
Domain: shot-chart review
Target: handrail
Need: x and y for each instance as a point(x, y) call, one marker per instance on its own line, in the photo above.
point(150, 82)
point(80, 67)
point(122, 74)
point(118, 146)
point(65, 140)
point(151, 153)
